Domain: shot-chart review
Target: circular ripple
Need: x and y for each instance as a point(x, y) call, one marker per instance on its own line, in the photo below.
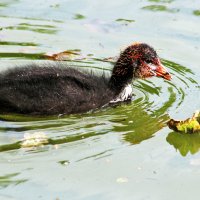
point(136, 121)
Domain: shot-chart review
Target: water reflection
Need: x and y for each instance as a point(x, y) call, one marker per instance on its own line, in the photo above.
point(79, 17)
point(46, 29)
point(10, 179)
point(50, 141)
point(3, 5)
point(196, 12)
point(18, 43)
point(159, 8)
point(30, 18)
point(184, 143)
point(30, 56)
point(139, 125)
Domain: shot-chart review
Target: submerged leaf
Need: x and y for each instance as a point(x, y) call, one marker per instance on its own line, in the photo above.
point(190, 125)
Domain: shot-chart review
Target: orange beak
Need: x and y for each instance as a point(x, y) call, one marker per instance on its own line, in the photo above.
point(162, 72)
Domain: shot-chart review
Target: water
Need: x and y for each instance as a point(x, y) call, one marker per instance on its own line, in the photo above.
point(126, 152)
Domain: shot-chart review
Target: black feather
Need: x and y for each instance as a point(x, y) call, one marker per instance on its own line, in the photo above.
point(52, 90)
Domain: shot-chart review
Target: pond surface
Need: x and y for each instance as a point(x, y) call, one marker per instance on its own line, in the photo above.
point(125, 152)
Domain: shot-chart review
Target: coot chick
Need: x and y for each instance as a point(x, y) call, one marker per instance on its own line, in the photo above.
point(51, 90)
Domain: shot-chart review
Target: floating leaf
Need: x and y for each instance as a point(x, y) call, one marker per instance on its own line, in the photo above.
point(66, 55)
point(190, 125)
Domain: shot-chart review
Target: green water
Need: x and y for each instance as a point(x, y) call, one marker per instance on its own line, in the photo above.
point(124, 152)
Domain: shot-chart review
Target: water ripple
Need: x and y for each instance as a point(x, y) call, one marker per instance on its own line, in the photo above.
point(136, 121)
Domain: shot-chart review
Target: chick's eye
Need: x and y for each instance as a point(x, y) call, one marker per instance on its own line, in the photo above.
point(148, 61)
